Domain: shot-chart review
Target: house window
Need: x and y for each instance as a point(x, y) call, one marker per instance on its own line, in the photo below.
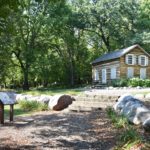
point(113, 74)
point(96, 75)
point(130, 72)
point(143, 60)
point(130, 59)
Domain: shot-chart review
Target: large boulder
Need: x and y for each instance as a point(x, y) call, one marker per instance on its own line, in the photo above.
point(44, 99)
point(134, 109)
point(60, 102)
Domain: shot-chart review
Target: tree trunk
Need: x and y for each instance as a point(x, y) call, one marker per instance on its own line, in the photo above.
point(25, 80)
point(71, 74)
point(45, 83)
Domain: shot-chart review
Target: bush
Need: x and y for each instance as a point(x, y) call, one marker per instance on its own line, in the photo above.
point(147, 83)
point(120, 82)
point(134, 82)
point(32, 105)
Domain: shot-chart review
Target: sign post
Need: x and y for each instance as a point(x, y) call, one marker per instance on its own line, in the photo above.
point(5, 100)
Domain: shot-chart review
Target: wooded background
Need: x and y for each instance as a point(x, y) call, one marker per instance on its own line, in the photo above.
point(48, 42)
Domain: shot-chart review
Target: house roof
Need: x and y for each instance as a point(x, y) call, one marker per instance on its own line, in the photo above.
point(116, 54)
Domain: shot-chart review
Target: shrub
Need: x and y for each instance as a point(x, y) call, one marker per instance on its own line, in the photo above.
point(134, 82)
point(120, 82)
point(147, 83)
point(32, 105)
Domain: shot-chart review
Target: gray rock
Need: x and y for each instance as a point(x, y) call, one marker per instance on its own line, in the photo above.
point(138, 87)
point(44, 99)
point(139, 96)
point(134, 110)
point(147, 96)
point(146, 125)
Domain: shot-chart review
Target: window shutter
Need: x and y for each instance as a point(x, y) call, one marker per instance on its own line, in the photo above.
point(126, 59)
point(139, 60)
point(146, 61)
point(113, 74)
point(96, 75)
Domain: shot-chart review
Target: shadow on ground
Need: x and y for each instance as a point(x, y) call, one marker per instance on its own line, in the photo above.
point(86, 130)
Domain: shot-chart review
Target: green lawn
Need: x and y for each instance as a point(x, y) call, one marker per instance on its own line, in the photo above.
point(75, 91)
point(17, 111)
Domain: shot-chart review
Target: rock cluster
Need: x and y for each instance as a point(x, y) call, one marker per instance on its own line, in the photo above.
point(134, 110)
point(41, 98)
point(57, 102)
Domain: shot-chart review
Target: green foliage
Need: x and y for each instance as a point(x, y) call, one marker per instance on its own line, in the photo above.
point(32, 105)
point(130, 134)
point(129, 137)
point(46, 42)
point(120, 83)
point(18, 111)
point(134, 82)
point(119, 121)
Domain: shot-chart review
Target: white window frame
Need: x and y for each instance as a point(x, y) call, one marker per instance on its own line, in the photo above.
point(113, 73)
point(140, 60)
point(96, 74)
point(133, 59)
point(128, 75)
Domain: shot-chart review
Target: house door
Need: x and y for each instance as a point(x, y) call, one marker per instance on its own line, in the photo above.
point(143, 73)
point(104, 76)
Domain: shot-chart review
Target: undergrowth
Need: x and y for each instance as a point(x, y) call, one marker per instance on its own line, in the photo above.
point(32, 105)
point(129, 138)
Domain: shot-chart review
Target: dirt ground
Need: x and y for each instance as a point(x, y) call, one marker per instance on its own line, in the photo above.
point(59, 131)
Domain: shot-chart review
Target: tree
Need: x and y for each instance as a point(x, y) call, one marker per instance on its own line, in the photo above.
point(28, 24)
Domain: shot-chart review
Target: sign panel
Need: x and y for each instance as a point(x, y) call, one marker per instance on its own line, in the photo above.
point(5, 99)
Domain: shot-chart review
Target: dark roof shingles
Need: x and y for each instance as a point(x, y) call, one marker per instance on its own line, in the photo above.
point(114, 54)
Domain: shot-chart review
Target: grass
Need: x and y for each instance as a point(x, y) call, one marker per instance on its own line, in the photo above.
point(18, 111)
point(119, 121)
point(26, 108)
point(50, 91)
point(32, 106)
point(129, 137)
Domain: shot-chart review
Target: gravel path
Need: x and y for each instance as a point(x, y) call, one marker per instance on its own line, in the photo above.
point(60, 131)
point(116, 91)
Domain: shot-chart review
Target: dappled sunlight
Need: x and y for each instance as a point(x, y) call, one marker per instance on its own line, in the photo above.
point(63, 130)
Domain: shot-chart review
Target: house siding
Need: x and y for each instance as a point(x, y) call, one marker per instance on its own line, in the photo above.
point(107, 65)
point(124, 66)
